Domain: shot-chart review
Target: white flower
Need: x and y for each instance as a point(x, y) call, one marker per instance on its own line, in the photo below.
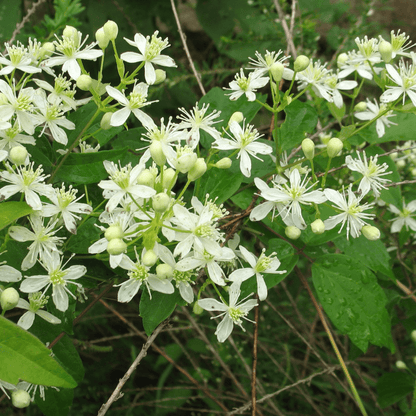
point(246, 85)
point(262, 65)
point(65, 203)
point(44, 240)
point(122, 183)
point(315, 75)
point(57, 277)
point(373, 110)
point(136, 100)
point(34, 307)
point(243, 139)
point(27, 181)
point(398, 43)
point(371, 172)
point(406, 81)
point(368, 49)
point(19, 58)
point(69, 50)
point(196, 120)
point(263, 264)
point(333, 82)
point(356, 62)
point(351, 212)
point(232, 313)
point(139, 275)
point(404, 217)
point(150, 49)
point(11, 138)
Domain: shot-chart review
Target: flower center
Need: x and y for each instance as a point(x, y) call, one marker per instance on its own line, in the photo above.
point(236, 314)
point(24, 103)
point(37, 301)
point(29, 175)
point(57, 277)
point(182, 277)
point(67, 46)
point(66, 197)
point(405, 213)
point(263, 263)
point(248, 136)
point(204, 230)
point(122, 177)
point(61, 84)
point(137, 99)
point(354, 209)
point(16, 54)
point(140, 273)
point(155, 46)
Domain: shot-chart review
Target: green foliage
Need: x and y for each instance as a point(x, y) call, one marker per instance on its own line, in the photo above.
point(11, 211)
point(392, 387)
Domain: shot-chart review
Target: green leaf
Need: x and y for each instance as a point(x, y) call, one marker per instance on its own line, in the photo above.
point(338, 113)
point(353, 300)
point(56, 403)
point(392, 387)
point(86, 168)
point(156, 310)
point(11, 211)
point(25, 357)
point(10, 15)
point(220, 184)
point(301, 118)
point(87, 234)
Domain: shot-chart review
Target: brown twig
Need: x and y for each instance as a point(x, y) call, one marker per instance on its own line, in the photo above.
point(288, 35)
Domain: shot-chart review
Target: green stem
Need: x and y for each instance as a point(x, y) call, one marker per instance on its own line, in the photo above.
point(326, 172)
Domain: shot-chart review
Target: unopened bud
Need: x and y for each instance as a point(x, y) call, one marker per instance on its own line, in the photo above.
point(113, 231)
point(84, 82)
point(308, 147)
point(186, 161)
point(334, 147)
point(71, 32)
point(116, 246)
point(386, 51)
point(105, 121)
point(164, 271)
point(413, 335)
point(238, 117)
point(401, 365)
point(149, 258)
point(156, 151)
point(168, 178)
point(301, 63)
point(224, 163)
point(277, 71)
point(101, 38)
point(197, 309)
point(342, 59)
point(20, 399)
point(361, 106)
point(160, 202)
point(146, 178)
point(160, 76)
point(197, 170)
point(318, 227)
point(370, 233)
point(111, 29)
point(292, 232)
point(18, 155)
point(413, 172)
point(401, 163)
point(9, 298)
point(47, 49)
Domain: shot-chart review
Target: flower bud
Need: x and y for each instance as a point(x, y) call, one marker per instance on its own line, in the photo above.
point(197, 170)
point(386, 51)
point(160, 76)
point(308, 147)
point(164, 271)
point(157, 153)
point(84, 82)
point(401, 365)
point(401, 163)
point(149, 258)
point(277, 71)
point(301, 63)
point(72, 33)
point(185, 161)
point(370, 233)
point(18, 155)
point(20, 399)
point(160, 202)
point(101, 38)
point(113, 231)
point(224, 163)
point(413, 335)
point(168, 178)
point(342, 59)
point(292, 232)
point(361, 106)
point(334, 147)
point(105, 121)
point(116, 246)
point(9, 298)
point(413, 172)
point(318, 227)
point(111, 29)
point(238, 117)
point(146, 178)
point(47, 49)
point(197, 309)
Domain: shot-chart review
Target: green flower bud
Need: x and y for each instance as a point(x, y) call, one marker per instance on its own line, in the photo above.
point(47, 49)
point(386, 51)
point(146, 178)
point(342, 58)
point(105, 121)
point(18, 155)
point(168, 177)
point(361, 106)
point(413, 335)
point(308, 147)
point(401, 164)
point(197, 170)
point(238, 116)
point(20, 399)
point(401, 365)
point(186, 161)
point(101, 38)
point(277, 71)
point(9, 298)
point(113, 231)
point(160, 202)
point(84, 82)
point(301, 63)
point(370, 233)
point(160, 76)
point(318, 227)
point(116, 246)
point(197, 309)
point(334, 147)
point(111, 29)
point(292, 232)
point(157, 153)
point(71, 32)
point(149, 258)
point(224, 163)
point(164, 271)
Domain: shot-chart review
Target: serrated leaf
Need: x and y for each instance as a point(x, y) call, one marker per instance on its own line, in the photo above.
point(11, 211)
point(392, 387)
point(25, 357)
point(353, 300)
